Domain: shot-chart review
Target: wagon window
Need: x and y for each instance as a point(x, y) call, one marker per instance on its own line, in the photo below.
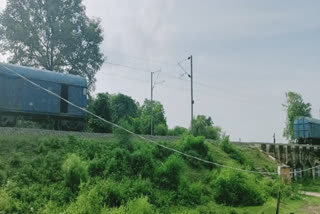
point(64, 95)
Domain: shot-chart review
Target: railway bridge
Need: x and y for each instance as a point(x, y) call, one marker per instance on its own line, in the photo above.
point(297, 156)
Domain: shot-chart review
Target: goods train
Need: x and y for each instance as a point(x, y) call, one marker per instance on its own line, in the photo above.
point(19, 98)
point(307, 130)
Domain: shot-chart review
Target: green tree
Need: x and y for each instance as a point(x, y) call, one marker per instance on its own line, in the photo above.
point(203, 126)
point(295, 107)
point(101, 107)
point(123, 107)
point(158, 117)
point(54, 34)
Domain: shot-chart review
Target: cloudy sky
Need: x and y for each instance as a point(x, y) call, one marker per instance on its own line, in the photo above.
point(246, 55)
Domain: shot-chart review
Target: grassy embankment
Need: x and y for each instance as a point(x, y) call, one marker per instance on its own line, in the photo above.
point(123, 175)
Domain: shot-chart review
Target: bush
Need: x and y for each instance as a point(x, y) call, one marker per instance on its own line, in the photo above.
point(161, 129)
point(233, 152)
point(235, 188)
point(16, 160)
point(97, 167)
point(123, 136)
point(118, 165)
point(3, 177)
point(177, 131)
point(142, 164)
point(189, 194)
point(203, 126)
point(139, 205)
point(196, 147)
point(168, 175)
point(74, 172)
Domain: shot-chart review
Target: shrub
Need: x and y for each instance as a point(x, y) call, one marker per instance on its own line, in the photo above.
point(177, 131)
point(74, 172)
point(118, 164)
point(3, 177)
point(189, 194)
point(168, 175)
point(160, 152)
point(16, 160)
point(161, 129)
point(235, 188)
point(233, 152)
point(97, 166)
point(195, 146)
point(139, 205)
point(123, 136)
point(142, 163)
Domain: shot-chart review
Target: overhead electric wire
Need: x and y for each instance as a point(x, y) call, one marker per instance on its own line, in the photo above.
point(152, 61)
point(140, 136)
point(179, 78)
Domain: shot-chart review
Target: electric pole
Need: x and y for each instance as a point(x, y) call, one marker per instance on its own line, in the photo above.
point(152, 87)
point(191, 78)
point(151, 103)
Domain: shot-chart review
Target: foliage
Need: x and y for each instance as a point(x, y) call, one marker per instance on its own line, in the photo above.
point(118, 179)
point(161, 129)
point(168, 175)
point(295, 107)
point(74, 171)
point(196, 147)
point(122, 135)
point(123, 107)
point(235, 188)
point(139, 205)
point(177, 131)
point(60, 37)
point(101, 107)
point(158, 116)
point(232, 151)
point(203, 126)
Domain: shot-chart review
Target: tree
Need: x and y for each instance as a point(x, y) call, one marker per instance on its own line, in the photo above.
point(52, 34)
point(123, 107)
point(158, 117)
point(295, 107)
point(101, 107)
point(203, 126)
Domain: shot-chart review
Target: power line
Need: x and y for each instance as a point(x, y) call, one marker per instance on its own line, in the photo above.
point(142, 137)
point(178, 78)
point(153, 61)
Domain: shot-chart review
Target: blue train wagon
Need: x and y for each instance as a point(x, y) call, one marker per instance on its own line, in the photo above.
point(20, 98)
point(307, 130)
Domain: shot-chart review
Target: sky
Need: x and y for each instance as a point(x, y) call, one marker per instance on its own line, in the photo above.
point(246, 56)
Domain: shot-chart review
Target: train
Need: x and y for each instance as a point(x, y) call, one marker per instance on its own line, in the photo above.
point(307, 130)
point(21, 99)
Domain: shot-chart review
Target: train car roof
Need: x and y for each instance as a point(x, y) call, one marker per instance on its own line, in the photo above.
point(306, 120)
point(44, 75)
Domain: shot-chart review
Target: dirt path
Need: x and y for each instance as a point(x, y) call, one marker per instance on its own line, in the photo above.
point(315, 194)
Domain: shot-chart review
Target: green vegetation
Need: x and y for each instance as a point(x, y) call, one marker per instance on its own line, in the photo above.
point(295, 107)
point(124, 175)
point(123, 110)
point(61, 37)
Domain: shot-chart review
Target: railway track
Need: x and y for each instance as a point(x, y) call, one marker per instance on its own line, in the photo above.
point(9, 131)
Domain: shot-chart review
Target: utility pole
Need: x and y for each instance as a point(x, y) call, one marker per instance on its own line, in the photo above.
point(153, 84)
point(191, 78)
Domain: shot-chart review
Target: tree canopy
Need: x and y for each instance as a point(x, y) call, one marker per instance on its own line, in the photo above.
point(123, 107)
point(159, 118)
point(203, 126)
point(52, 34)
point(101, 107)
point(295, 107)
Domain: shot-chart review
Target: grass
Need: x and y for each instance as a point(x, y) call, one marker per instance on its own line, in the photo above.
point(37, 171)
